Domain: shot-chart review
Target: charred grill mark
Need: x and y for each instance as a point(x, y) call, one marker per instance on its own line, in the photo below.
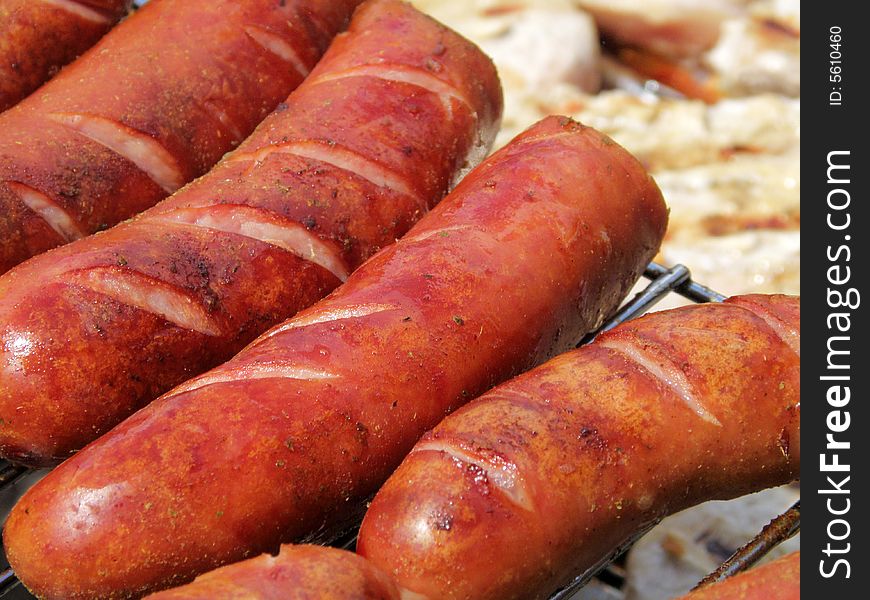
point(80, 10)
point(443, 232)
point(263, 226)
point(270, 370)
point(55, 216)
point(354, 311)
point(340, 157)
point(278, 46)
point(486, 467)
point(788, 334)
point(139, 148)
point(404, 74)
point(660, 367)
point(148, 294)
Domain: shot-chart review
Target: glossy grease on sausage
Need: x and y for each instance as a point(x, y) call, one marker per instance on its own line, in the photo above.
point(297, 573)
point(532, 249)
point(554, 470)
point(38, 37)
point(96, 329)
point(150, 107)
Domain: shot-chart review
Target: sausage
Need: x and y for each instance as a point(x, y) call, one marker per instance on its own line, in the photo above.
point(777, 580)
point(307, 571)
point(304, 572)
point(557, 469)
point(153, 105)
point(286, 440)
point(98, 328)
point(38, 38)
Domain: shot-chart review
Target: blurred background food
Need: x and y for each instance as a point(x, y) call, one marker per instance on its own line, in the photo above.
point(707, 94)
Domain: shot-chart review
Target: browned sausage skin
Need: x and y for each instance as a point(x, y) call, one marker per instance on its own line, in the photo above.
point(554, 470)
point(94, 330)
point(777, 580)
point(308, 572)
point(153, 105)
point(38, 37)
point(529, 251)
point(297, 573)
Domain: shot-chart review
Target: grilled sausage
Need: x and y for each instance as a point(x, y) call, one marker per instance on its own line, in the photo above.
point(297, 573)
point(308, 572)
point(96, 329)
point(154, 104)
point(38, 38)
point(556, 469)
point(776, 580)
point(530, 250)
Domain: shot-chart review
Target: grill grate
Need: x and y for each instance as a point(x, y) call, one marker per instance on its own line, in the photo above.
point(774, 533)
point(663, 281)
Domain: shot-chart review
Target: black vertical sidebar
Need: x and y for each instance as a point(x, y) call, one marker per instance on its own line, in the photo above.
point(835, 299)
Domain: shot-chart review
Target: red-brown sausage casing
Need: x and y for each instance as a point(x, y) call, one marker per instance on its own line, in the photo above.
point(38, 38)
point(304, 572)
point(532, 249)
point(541, 478)
point(94, 330)
point(153, 105)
